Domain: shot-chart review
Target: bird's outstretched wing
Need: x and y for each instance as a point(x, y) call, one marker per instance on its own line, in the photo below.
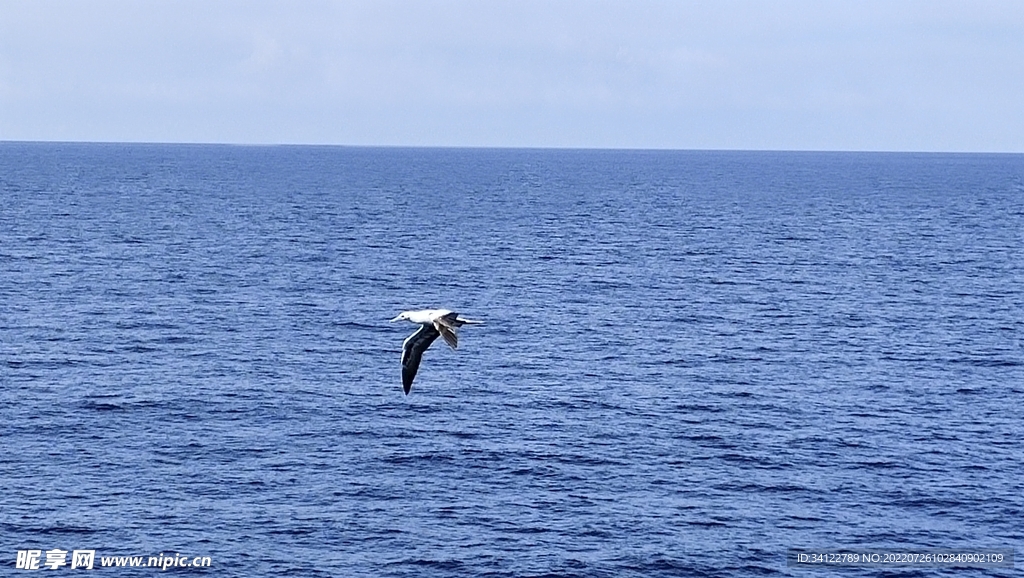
point(446, 325)
point(412, 352)
point(449, 335)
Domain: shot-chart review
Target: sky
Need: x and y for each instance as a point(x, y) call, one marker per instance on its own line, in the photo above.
point(892, 75)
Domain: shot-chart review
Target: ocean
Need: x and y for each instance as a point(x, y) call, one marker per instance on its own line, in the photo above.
point(692, 362)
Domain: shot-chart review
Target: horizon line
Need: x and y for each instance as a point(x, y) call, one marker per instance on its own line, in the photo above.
point(500, 147)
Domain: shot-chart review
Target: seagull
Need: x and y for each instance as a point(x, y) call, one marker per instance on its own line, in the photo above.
point(433, 322)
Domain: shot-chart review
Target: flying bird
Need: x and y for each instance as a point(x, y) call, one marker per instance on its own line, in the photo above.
point(433, 322)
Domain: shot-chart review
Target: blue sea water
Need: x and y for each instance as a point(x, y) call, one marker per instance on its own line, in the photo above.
point(692, 361)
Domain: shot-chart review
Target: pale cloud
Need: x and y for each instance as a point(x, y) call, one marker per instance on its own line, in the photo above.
point(909, 75)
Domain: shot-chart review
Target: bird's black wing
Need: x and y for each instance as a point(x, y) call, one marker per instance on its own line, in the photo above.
point(412, 352)
point(446, 325)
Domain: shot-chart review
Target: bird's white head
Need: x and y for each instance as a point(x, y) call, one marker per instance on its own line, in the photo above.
point(401, 316)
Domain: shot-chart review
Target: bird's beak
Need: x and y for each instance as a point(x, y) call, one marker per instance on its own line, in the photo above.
point(399, 318)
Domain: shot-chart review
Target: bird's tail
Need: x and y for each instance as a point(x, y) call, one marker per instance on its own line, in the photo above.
point(465, 321)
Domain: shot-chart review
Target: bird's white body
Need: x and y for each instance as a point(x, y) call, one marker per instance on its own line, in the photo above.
point(422, 316)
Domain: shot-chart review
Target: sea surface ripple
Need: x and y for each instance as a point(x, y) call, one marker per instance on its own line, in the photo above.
point(692, 362)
